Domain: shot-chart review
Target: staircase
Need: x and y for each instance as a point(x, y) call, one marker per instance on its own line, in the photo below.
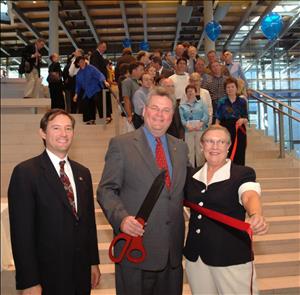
point(277, 253)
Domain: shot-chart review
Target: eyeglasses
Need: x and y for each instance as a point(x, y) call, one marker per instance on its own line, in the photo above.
point(219, 142)
point(156, 109)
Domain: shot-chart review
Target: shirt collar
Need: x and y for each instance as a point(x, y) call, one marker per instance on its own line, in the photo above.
point(151, 137)
point(221, 174)
point(55, 159)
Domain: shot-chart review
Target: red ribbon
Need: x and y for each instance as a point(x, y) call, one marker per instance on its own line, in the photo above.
point(234, 147)
point(225, 219)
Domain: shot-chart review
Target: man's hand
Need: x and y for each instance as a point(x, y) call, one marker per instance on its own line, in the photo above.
point(95, 276)
point(75, 98)
point(131, 226)
point(258, 224)
point(129, 119)
point(35, 290)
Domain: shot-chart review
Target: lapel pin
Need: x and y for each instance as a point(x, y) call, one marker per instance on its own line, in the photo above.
point(80, 178)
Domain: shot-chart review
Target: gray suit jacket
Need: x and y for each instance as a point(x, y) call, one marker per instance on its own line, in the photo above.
point(129, 171)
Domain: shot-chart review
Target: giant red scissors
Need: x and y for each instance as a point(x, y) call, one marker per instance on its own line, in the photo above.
point(135, 244)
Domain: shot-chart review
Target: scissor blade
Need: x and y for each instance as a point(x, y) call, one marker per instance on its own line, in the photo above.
point(152, 196)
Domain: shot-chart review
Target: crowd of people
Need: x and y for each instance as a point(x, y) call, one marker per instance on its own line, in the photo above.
point(188, 119)
point(197, 107)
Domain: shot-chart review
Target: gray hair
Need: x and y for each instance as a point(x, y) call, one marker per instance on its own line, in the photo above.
point(216, 127)
point(160, 91)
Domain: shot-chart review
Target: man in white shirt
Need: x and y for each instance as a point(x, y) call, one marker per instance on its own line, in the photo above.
point(180, 79)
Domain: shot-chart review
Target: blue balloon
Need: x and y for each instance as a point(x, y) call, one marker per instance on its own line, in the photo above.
point(126, 43)
point(271, 25)
point(213, 30)
point(144, 46)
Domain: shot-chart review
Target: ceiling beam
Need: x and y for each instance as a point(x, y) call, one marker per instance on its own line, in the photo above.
point(5, 50)
point(250, 8)
point(22, 38)
point(269, 8)
point(26, 22)
point(124, 18)
point(144, 6)
point(67, 32)
point(288, 26)
point(88, 19)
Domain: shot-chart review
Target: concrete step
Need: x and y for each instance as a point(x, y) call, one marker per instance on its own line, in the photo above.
point(277, 265)
point(286, 208)
point(255, 155)
point(277, 243)
point(286, 285)
point(277, 173)
point(275, 163)
point(283, 224)
point(284, 194)
point(279, 182)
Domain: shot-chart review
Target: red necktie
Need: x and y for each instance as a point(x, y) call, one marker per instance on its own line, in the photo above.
point(67, 186)
point(161, 160)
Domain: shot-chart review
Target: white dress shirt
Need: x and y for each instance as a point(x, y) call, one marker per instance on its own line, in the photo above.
point(68, 170)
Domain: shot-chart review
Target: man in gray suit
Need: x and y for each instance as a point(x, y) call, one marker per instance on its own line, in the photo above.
point(130, 168)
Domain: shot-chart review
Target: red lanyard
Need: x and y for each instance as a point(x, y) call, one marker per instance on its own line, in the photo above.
point(225, 219)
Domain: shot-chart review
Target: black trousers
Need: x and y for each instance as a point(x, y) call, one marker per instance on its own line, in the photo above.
point(134, 281)
point(108, 104)
point(89, 107)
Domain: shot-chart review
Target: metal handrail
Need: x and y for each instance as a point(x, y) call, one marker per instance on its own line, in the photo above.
point(281, 113)
point(277, 101)
point(278, 109)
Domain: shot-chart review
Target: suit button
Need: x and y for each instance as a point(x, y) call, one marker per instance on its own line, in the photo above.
point(168, 222)
point(199, 216)
point(198, 230)
point(203, 191)
point(169, 198)
point(200, 204)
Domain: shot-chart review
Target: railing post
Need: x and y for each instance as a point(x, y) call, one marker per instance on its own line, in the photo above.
point(281, 133)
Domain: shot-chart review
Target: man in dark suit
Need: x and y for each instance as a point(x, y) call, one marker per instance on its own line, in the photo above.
point(97, 60)
point(131, 164)
point(52, 219)
point(31, 63)
point(161, 72)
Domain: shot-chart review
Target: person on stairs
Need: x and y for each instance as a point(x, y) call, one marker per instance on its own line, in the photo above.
point(132, 162)
point(52, 217)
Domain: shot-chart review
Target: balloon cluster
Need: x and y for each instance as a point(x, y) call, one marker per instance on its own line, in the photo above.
point(271, 25)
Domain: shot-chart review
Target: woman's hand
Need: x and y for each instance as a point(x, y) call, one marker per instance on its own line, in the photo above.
point(258, 224)
point(241, 121)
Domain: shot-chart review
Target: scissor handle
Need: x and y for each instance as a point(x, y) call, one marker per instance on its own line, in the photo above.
point(119, 237)
point(136, 245)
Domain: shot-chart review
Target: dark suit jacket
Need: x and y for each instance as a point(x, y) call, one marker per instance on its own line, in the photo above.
point(129, 171)
point(50, 247)
point(98, 61)
point(26, 55)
